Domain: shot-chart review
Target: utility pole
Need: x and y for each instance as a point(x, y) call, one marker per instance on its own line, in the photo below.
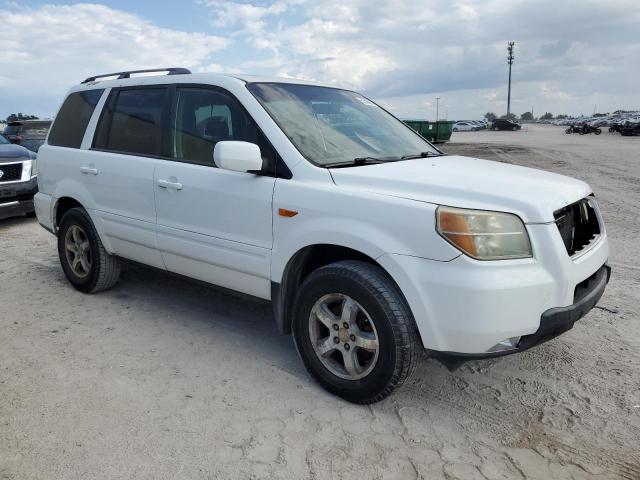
point(437, 108)
point(510, 62)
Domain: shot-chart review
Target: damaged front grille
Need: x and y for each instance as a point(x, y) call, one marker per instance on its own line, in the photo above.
point(578, 225)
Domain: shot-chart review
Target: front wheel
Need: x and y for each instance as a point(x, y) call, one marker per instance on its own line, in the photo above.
point(355, 332)
point(567, 131)
point(597, 131)
point(85, 262)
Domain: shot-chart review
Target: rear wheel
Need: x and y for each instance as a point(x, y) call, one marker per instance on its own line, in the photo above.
point(85, 262)
point(597, 131)
point(355, 332)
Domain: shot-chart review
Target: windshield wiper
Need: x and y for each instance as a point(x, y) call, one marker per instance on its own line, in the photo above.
point(356, 162)
point(420, 155)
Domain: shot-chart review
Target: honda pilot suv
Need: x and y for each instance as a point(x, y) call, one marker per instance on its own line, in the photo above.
point(371, 244)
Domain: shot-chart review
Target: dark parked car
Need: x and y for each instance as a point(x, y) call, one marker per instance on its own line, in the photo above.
point(502, 124)
point(28, 133)
point(18, 181)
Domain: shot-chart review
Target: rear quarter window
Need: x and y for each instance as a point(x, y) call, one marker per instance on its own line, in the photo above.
point(72, 119)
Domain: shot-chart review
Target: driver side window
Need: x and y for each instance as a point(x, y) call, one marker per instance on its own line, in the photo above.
point(203, 117)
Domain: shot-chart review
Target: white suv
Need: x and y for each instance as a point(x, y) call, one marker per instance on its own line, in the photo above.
point(371, 244)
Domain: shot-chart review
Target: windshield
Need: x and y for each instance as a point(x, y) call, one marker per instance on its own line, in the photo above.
point(3, 140)
point(330, 126)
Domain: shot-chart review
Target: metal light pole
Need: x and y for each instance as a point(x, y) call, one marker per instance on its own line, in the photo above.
point(510, 62)
point(437, 108)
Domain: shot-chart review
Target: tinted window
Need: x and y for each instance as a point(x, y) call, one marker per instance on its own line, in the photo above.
point(36, 129)
point(72, 119)
point(12, 129)
point(131, 122)
point(204, 117)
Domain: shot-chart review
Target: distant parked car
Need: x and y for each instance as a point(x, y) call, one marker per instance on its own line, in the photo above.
point(28, 133)
point(630, 128)
point(503, 124)
point(464, 127)
point(18, 181)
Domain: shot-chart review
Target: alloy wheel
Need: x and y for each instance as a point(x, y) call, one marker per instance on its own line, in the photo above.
point(343, 336)
point(78, 251)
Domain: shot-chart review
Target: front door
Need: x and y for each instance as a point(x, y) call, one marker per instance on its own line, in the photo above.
point(212, 224)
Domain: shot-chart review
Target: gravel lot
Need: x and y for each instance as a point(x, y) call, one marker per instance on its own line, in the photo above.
point(161, 378)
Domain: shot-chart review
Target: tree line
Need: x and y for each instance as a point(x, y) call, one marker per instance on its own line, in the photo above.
point(20, 116)
point(528, 116)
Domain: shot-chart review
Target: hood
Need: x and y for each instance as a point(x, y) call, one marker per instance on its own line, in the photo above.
point(11, 152)
point(469, 183)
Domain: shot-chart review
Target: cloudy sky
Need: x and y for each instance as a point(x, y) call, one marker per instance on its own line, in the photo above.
point(571, 56)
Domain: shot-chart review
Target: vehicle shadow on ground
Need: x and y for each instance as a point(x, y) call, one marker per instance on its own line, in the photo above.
point(211, 310)
point(220, 313)
point(9, 222)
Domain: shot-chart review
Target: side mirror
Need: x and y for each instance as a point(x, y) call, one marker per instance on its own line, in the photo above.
point(238, 156)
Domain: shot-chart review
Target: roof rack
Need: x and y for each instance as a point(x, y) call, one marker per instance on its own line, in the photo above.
point(121, 75)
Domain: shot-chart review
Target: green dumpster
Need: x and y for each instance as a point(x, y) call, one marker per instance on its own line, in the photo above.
point(435, 132)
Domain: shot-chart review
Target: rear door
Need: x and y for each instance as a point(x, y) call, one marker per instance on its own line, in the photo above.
point(118, 170)
point(214, 225)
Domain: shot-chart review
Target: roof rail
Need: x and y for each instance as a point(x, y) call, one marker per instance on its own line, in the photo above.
point(127, 74)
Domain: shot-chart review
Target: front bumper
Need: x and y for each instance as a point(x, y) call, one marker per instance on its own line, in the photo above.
point(17, 198)
point(466, 307)
point(553, 322)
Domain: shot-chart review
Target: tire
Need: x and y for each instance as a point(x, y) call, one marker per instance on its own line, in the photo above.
point(99, 270)
point(567, 131)
point(597, 131)
point(514, 129)
point(455, 129)
point(381, 313)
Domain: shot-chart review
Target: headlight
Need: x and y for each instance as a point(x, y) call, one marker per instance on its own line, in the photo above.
point(484, 235)
point(29, 170)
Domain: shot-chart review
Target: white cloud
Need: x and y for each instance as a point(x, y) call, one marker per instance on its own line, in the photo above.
point(403, 51)
point(406, 48)
point(48, 49)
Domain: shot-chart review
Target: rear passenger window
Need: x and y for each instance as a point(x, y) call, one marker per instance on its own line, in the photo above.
point(131, 122)
point(73, 118)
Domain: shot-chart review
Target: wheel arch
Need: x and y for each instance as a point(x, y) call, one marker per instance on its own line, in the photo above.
point(300, 265)
point(64, 203)
point(62, 206)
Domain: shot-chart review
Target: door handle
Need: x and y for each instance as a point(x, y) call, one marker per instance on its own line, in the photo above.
point(168, 184)
point(87, 170)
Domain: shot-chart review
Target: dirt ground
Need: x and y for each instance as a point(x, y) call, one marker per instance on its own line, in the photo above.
point(163, 379)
